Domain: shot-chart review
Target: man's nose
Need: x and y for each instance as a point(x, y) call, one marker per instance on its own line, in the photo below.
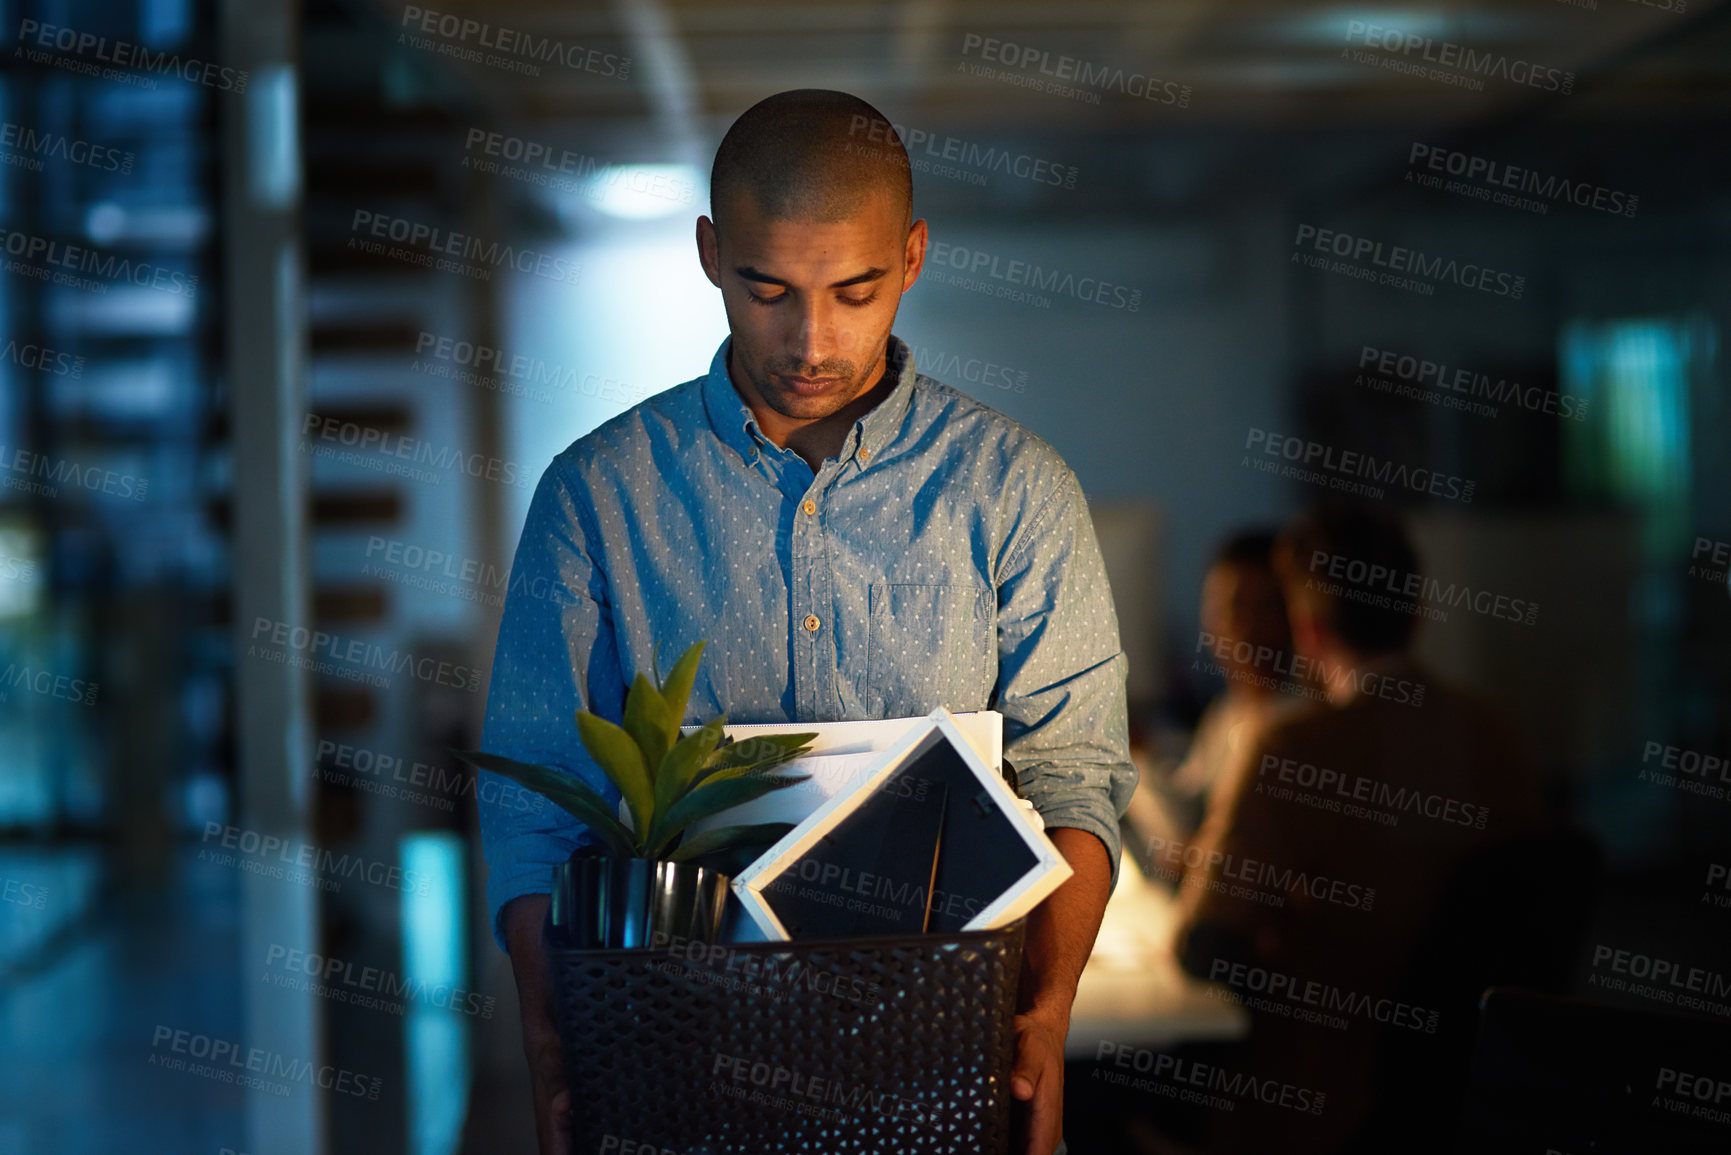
point(823, 334)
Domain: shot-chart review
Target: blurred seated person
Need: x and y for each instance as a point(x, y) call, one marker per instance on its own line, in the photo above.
point(1244, 632)
point(1328, 850)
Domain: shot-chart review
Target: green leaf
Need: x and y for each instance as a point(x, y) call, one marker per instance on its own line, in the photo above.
point(709, 800)
point(676, 690)
point(619, 758)
point(730, 837)
point(565, 791)
point(649, 723)
point(753, 755)
point(680, 766)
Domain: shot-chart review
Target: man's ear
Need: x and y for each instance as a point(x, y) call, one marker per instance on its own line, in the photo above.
point(914, 258)
point(709, 250)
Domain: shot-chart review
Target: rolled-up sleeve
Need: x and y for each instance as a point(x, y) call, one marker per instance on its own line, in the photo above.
point(556, 629)
point(1061, 671)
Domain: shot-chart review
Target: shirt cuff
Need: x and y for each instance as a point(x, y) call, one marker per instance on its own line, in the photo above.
point(527, 868)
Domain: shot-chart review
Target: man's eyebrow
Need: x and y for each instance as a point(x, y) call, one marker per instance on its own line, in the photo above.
point(764, 278)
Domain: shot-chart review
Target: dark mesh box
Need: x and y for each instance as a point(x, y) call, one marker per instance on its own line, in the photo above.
point(898, 1045)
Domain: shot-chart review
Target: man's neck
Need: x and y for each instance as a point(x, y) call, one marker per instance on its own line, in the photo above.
point(818, 438)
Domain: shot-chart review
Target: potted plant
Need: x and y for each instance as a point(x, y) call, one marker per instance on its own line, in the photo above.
point(648, 878)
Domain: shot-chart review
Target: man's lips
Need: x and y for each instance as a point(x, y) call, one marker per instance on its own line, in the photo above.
point(807, 385)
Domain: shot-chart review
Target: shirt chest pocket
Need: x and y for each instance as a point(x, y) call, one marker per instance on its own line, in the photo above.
point(930, 646)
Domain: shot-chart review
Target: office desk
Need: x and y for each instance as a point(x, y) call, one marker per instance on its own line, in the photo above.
point(1132, 991)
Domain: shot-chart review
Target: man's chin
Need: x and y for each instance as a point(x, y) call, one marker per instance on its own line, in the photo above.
point(809, 406)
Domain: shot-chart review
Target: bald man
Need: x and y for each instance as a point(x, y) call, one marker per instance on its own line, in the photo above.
point(853, 539)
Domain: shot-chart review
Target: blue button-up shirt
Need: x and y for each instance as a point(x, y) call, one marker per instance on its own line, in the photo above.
point(944, 558)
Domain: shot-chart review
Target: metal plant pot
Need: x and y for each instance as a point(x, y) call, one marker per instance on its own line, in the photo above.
point(602, 902)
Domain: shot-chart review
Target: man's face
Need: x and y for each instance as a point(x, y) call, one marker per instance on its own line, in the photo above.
point(810, 304)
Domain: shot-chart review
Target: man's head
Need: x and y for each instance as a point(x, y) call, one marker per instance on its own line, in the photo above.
point(812, 244)
point(1242, 600)
point(1336, 568)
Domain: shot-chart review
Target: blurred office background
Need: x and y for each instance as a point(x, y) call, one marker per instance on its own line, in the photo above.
point(240, 398)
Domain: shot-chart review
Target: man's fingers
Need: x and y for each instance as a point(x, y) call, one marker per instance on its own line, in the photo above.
point(564, 1140)
point(1026, 1073)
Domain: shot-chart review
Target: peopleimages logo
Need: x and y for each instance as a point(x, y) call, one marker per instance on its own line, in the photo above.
point(393, 777)
point(1337, 791)
point(843, 886)
point(432, 247)
point(1710, 559)
point(1425, 271)
point(1350, 469)
point(1706, 774)
point(1499, 181)
point(124, 55)
point(252, 1067)
point(1663, 980)
point(926, 149)
point(1458, 63)
point(22, 465)
point(1180, 1078)
point(1078, 75)
point(496, 46)
point(759, 974)
point(951, 367)
point(27, 147)
point(351, 658)
point(516, 374)
point(785, 1088)
point(393, 448)
point(21, 893)
point(1718, 880)
point(1700, 1096)
point(1292, 673)
point(1385, 586)
point(365, 986)
point(67, 265)
point(302, 862)
point(549, 166)
point(976, 263)
point(1314, 1001)
point(1454, 387)
point(1254, 879)
point(42, 359)
point(46, 683)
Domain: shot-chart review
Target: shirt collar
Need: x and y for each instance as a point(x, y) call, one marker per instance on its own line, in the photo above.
point(733, 422)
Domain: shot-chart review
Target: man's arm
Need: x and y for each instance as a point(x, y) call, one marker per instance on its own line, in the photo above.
point(1061, 691)
point(555, 631)
point(523, 918)
point(555, 655)
point(1060, 937)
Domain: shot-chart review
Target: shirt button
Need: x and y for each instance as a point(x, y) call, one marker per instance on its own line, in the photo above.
point(810, 507)
point(864, 453)
point(811, 623)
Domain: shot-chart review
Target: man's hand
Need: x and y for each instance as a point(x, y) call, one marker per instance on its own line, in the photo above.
point(1060, 937)
point(1039, 1076)
point(523, 920)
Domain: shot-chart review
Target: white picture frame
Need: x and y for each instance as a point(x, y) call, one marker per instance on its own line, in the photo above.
point(1019, 896)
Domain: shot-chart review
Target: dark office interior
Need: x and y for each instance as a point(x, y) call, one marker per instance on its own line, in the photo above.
point(267, 457)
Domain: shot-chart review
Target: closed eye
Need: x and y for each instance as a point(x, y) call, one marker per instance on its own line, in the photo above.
point(856, 302)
